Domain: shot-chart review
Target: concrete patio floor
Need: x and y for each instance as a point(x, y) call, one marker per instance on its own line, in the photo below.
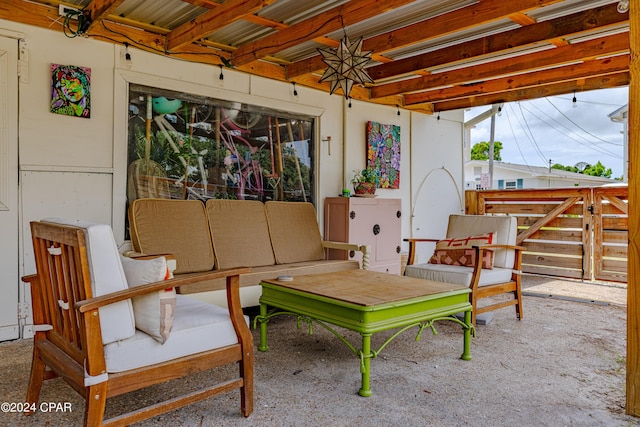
point(562, 365)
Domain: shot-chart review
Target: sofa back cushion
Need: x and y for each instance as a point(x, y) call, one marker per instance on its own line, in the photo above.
point(295, 235)
point(504, 227)
point(240, 233)
point(177, 227)
point(107, 276)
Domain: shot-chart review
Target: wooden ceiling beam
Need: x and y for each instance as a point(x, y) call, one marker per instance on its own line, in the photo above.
point(99, 10)
point(31, 14)
point(149, 37)
point(216, 18)
point(467, 17)
point(592, 83)
point(331, 20)
point(548, 58)
point(563, 27)
point(598, 67)
point(42, 16)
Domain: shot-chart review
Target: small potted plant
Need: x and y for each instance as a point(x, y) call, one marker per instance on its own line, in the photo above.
point(365, 182)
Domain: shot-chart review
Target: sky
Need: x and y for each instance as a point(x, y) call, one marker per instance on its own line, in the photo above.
point(533, 132)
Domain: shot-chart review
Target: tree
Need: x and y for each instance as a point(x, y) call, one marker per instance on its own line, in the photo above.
point(480, 151)
point(565, 168)
point(587, 169)
point(598, 170)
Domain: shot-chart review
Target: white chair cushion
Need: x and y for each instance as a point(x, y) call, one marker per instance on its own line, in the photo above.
point(197, 326)
point(458, 275)
point(107, 276)
point(154, 311)
point(506, 228)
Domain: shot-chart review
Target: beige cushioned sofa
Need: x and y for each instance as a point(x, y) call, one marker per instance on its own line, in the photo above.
point(273, 238)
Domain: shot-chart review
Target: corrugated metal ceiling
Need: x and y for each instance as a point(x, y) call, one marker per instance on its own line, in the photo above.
point(288, 33)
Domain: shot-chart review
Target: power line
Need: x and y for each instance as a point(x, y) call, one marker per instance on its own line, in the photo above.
point(580, 127)
point(594, 148)
point(532, 138)
point(515, 139)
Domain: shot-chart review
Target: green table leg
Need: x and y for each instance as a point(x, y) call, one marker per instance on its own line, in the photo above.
point(263, 328)
point(466, 353)
point(365, 367)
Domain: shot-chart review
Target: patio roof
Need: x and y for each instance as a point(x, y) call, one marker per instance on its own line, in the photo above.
point(428, 55)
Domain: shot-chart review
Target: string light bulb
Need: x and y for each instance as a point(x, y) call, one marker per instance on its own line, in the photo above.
point(623, 6)
point(127, 55)
point(221, 76)
point(295, 92)
point(398, 107)
point(575, 100)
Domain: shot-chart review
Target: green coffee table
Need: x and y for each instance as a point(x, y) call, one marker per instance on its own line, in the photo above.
point(366, 302)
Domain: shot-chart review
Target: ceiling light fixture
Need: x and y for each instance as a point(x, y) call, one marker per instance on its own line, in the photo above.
point(623, 6)
point(346, 65)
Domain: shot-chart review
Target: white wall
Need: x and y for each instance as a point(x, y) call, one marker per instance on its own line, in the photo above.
point(436, 176)
point(76, 167)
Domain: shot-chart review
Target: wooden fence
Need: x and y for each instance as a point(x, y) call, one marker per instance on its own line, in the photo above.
point(577, 232)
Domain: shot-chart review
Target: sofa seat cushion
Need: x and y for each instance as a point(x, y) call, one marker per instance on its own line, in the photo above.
point(271, 271)
point(458, 275)
point(177, 227)
point(315, 267)
point(295, 235)
point(240, 233)
point(197, 327)
point(107, 276)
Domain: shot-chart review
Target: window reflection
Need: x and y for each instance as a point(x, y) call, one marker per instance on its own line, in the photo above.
point(184, 146)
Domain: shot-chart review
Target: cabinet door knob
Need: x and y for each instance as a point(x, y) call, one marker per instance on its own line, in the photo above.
point(352, 254)
point(352, 215)
point(397, 249)
point(376, 229)
point(398, 214)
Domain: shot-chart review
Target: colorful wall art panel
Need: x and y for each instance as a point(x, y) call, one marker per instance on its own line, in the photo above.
point(383, 153)
point(71, 90)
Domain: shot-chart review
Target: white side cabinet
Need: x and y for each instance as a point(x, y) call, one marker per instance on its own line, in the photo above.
point(376, 222)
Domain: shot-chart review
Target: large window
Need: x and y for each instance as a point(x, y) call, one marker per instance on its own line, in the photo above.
point(185, 146)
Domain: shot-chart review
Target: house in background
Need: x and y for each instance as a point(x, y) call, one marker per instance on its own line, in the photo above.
point(512, 176)
point(621, 115)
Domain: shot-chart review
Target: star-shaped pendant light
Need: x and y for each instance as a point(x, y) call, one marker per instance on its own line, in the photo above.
point(345, 65)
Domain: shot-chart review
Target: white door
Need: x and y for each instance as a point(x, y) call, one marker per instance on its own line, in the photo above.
point(9, 248)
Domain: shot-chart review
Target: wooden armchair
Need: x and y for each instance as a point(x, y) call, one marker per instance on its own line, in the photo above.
point(502, 278)
point(86, 326)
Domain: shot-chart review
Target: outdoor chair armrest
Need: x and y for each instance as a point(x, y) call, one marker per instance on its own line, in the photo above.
point(411, 258)
point(30, 278)
point(496, 246)
point(344, 246)
point(184, 279)
point(517, 261)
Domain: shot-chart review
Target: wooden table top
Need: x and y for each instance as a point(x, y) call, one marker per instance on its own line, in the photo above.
point(366, 287)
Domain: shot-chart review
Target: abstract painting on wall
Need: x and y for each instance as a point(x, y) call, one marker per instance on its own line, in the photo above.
point(383, 153)
point(71, 90)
